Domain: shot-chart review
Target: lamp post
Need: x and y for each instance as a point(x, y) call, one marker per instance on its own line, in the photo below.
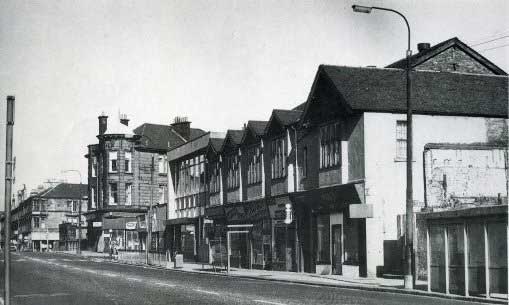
point(409, 190)
point(78, 249)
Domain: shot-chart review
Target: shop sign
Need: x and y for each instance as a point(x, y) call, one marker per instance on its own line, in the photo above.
point(361, 210)
point(106, 234)
point(97, 224)
point(247, 212)
point(131, 225)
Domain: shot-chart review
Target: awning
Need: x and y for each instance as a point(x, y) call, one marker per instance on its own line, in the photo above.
point(180, 221)
point(332, 198)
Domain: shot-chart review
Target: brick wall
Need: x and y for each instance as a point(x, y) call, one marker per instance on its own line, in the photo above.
point(454, 60)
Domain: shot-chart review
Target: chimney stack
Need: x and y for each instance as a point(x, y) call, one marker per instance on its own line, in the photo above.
point(182, 126)
point(103, 123)
point(423, 46)
point(124, 120)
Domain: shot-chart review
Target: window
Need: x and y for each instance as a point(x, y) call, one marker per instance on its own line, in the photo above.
point(74, 206)
point(128, 193)
point(163, 168)
point(278, 161)
point(113, 156)
point(330, 145)
point(215, 178)
point(162, 194)
point(323, 238)
point(35, 205)
point(92, 197)
point(254, 168)
point(401, 140)
point(128, 162)
point(305, 162)
point(191, 176)
point(232, 173)
point(36, 222)
point(113, 194)
point(94, 166)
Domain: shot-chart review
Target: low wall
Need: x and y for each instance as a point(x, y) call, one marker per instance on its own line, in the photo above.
point(139, 257)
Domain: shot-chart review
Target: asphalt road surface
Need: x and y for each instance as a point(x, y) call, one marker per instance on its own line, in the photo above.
point(54, 279)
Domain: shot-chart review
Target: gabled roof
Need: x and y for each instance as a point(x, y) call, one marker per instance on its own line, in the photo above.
point(283, 117)
point(216, 144)
point(423, 56)
point(442, 93)
point(256, 128)
point(234, 137)
point(66, 190)
point(300, 107)
point(163, 137)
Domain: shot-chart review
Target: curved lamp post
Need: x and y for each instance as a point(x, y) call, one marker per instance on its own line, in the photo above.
point(78, 249)
point(409, 190)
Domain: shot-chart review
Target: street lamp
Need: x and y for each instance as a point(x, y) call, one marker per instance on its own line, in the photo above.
point(409, 191)
point(78, 249)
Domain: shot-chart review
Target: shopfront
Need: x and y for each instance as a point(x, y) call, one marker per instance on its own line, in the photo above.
point(331, 226)
point(121, 234)
point(182, 237)
point(249, 235)
point(285, 256)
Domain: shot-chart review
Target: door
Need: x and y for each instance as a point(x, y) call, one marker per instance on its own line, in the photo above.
point(336, 250)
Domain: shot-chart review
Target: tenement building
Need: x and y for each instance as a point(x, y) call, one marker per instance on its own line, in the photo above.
point(127, 174)
point(36, 220)
point(321, 188)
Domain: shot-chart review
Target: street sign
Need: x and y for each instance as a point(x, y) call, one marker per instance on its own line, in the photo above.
point(97, 224)
point(130, 225)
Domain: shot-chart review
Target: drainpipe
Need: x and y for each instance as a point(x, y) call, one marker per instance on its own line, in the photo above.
point(424, 178)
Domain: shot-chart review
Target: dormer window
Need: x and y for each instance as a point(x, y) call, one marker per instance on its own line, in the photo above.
point(232, 171)
point(330, 146)
point(278, 162)
point(254, 167)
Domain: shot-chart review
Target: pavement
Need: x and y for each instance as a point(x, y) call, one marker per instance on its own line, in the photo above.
point(64, 278)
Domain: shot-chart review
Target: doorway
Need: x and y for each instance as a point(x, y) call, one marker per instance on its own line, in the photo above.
point(337, 249)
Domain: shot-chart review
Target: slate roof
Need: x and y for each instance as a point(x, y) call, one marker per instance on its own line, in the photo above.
point(300, 107)
point(66, 190)
point(216, 143)
point(423, 56)
point(258, 127)
point(235, 136)
point(383, 90)
point(163, 137)
point(287, 117)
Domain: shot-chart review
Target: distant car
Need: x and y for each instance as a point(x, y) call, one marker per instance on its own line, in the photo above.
point(12, 248)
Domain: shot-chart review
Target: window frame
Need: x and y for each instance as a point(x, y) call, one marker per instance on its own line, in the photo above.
point(330, 145)
point(278, 158)
point(111, 193)
point(401, 140)
point(112, 161)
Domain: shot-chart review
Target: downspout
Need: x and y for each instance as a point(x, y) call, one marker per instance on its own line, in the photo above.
point(424, 178)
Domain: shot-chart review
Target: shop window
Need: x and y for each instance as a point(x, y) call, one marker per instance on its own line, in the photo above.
point(401, 130)
point(113, 164)
point(323, 239)
point(437, 264)
point(92, 198)
point(476, 262)
point(330, 145)
point(497, 260)
point(455, 240)
point(278, 160)
point(305, 162)
point(128, 162)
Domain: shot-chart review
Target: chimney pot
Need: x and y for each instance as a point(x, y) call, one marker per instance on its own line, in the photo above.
point(182, 126)
point(103, 123)
point(423, 46)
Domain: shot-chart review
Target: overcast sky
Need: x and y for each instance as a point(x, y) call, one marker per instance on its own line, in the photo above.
point(220, 63)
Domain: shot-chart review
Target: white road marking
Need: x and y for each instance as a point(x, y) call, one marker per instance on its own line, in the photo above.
point(268, 302)
point(205, 291)
point(110, 274)
point(164, 284)
point(133, 279)
point(33, 295)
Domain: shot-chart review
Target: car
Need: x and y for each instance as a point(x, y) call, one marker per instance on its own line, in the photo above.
point(12, 248)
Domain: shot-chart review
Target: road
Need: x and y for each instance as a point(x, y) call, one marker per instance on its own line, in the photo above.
point(54, 279)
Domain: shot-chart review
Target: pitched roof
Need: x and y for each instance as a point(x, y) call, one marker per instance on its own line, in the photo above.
point(66, 190)
point(216, 144)
point(258, 127)
point(423, 56)
point(287, 117)
point(233, 136)
point(163, 137)
point(300, 107)
point(382, 90)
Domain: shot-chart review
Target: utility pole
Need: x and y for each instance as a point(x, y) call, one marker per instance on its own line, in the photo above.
point(149, 215)
point(8, 191)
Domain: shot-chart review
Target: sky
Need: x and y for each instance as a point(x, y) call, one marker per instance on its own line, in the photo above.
point(220, 63)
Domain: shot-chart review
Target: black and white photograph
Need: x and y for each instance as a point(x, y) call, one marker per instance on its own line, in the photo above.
point(254, 152)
